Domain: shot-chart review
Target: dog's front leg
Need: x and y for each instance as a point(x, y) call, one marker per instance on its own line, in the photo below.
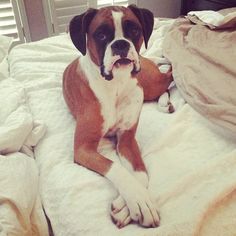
point(134, 194)
point(130, 157)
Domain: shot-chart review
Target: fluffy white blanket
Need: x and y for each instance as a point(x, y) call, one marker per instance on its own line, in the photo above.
point(20, 206)
point(191, 165)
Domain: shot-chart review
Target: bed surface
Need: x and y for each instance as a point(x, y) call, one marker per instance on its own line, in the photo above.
point(191, 163)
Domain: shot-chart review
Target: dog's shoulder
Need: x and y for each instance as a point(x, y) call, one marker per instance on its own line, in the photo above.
point(76, 89)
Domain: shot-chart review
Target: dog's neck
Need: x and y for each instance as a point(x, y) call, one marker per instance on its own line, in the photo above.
point(113, 95)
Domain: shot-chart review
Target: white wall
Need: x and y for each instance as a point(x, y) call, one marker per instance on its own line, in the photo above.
point(162, 8)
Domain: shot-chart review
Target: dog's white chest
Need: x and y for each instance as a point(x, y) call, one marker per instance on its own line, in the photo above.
point(121, 100)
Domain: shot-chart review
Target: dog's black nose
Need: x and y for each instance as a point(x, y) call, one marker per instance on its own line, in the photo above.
point(120, 47)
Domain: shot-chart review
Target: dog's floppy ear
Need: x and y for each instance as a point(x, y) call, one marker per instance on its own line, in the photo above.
point(146, 19)
point(79, 27)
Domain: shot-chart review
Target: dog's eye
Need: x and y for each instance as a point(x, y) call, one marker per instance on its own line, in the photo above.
point(135, 32)
point(101, 36)
point(132, 30)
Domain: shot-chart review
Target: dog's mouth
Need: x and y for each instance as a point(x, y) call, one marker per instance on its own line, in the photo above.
point(123, 62)
point(126, 63)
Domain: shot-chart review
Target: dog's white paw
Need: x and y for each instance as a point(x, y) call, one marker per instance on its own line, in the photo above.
point(135, 195)
point(142, 208)
point(139, 204)
point(120, 212)
point(118, 204)
point(164, 103)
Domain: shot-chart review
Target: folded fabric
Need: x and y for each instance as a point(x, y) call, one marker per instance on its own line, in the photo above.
point(213, 19)
point(5, 43)
point(16, 121)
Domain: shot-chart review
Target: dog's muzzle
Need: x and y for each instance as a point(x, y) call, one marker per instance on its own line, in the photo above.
point(121, 56)
point(120, 48)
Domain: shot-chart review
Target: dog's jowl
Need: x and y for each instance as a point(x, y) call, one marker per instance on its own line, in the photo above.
point(105, 89)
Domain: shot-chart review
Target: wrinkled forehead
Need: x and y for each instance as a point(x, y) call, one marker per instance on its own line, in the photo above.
point(112, 16)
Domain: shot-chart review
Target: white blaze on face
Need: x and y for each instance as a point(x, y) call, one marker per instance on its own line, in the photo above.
point(109, 58)
point(117, 19)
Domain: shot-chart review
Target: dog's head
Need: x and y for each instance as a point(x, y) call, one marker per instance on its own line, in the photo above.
point(112, 36)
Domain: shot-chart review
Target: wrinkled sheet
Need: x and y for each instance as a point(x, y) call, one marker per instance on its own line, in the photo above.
point(203, 62)
point(21, 212)
point(191, 164)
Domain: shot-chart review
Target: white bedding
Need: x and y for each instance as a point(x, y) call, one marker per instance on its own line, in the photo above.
point(21, 210)
point(191, 165)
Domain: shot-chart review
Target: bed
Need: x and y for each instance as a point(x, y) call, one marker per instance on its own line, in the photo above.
point(190, 154)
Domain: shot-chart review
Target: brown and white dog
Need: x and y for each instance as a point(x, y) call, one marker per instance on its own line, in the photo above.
point(104, 90)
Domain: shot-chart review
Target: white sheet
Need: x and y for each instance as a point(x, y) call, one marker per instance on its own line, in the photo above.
point(191, 165)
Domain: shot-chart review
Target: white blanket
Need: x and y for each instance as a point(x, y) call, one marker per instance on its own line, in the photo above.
point(21, 212)
point(191, 165)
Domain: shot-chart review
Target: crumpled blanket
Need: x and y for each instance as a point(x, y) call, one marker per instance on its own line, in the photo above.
point(21, 212)
point(203, 62)
point(18, 131)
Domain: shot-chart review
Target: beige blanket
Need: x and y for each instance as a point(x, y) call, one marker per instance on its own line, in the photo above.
point(204, 68)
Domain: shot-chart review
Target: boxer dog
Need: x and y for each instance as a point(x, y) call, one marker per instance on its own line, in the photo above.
point(104, 90)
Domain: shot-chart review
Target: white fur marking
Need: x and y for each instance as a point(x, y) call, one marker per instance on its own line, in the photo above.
point(141, 176)
point(126, 163)
point(117, 19)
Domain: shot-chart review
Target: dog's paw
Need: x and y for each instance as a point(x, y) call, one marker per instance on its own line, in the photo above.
point(118, 204)
point(120, 213)
point(141, 206)
point(135, 196)
point(143, 211)
point(164, 104)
